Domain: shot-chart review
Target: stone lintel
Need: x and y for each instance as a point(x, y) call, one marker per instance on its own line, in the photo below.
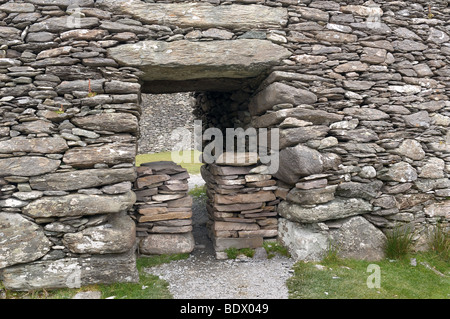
point(186, 60)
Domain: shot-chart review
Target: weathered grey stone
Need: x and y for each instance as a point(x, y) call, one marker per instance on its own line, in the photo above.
point(111, 154)
point(68, 87)
point(116, 236)
point(409, 45)
point(21, 240)
point(12, 203)
point(363, 135)
point(122, 27)
point(440, 209)
point(278, 93)
point(363, 113)
point(80, 179)
point(237, 159)
point(61, 24)
point(84, 34)
point(433, 168)
point(72, 272)
point(112, 122)
point(217, 34)
point(359, 239)
point(35, 127)
point(298, 161)
point(63, 3)
point(311, 196)
point(187, 60)
point(420, 119)
point(304, 241)
point(352, 66)
point(79, 205)
point(318, 117)
point(27, 166)
point(11, 7)
point(399, 172)
point(438, 36)
point(158, 244)
point(336, 37)
point(10, 33)
point(368, 172)
point(412, 149)
point(338, 208)
point(28, 195)
point(258, 197)
point(313, 14)
point(358, 85)
point(373, 55)
point(45, 145)
point(294, 136)
point(201, 15)
point(119, 188)
point(366, 191)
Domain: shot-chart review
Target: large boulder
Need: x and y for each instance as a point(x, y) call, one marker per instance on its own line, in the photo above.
point(21, 240)
point(72, 272)
point(279, 93)
point(298, 161)
point(304, 241)
point(358, 239)
point(338, 208)
point(116, 236)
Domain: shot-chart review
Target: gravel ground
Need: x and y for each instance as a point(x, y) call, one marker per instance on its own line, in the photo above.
point(202, 276)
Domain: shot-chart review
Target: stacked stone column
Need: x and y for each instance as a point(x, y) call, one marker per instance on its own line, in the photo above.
point(241, 203)
point(163, 209)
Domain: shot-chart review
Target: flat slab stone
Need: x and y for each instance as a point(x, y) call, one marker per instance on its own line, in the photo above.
point(45, 145)
point(200, 15)
point(27, 166)
point(338, 208)
point(79, 205)
point(186, 60)
point(158, 244)
point(111, 154)
point(80, 179)
point(72, 272)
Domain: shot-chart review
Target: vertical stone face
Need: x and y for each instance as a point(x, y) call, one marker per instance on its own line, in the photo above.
point(21, 241)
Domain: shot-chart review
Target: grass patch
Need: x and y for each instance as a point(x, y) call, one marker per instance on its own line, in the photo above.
point(398, 242)
point(273, 248)
point(232, 252)
point(440, 241)
point(347, 279)
point(148, 287)
point(198, 192)
point(192, 167)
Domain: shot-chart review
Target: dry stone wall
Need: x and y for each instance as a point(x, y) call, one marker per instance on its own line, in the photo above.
point(359, 90)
